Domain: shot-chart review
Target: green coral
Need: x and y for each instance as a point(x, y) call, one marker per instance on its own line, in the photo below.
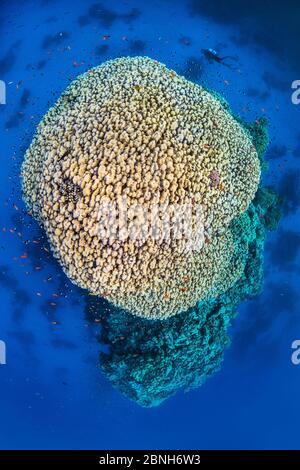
point(260, 137)
point(258, 132)
point(270, 206)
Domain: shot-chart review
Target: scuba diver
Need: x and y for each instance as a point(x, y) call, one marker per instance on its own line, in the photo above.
point(212, 56)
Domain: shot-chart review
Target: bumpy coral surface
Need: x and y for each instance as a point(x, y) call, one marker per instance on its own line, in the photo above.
point(148, 361)
point(133, 129)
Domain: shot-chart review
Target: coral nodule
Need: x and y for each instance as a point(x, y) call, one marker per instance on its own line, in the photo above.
point(136, 175)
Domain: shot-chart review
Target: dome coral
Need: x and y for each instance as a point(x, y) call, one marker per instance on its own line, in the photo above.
point(131, 133)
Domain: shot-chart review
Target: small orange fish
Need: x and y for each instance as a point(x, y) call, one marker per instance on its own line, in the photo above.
point(24, 256)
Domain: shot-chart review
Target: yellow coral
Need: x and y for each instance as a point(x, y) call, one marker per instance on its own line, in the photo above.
point(131, 129)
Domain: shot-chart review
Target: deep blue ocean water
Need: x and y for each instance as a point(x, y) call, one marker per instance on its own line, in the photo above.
point(52, 395)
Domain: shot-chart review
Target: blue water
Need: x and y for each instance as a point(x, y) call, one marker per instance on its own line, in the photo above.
point(51, 393)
